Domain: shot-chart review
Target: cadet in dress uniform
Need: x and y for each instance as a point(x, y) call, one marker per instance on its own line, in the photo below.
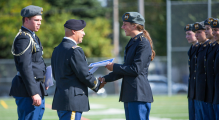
point(71, 72)
point(215, 28)
point(201, 106)
point(209, 68)
point(190, 36)
point(135, 91)
point(28, 87)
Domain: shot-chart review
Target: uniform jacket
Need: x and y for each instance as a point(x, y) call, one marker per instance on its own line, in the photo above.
point(192, 70)
point(134, 71)
point(201, 73)
point(71, 72)
point(216, 73)
point(209, 63)
point(31, 67)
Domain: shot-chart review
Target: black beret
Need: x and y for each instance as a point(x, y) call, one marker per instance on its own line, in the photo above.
point(133, 17)
point(208, 21)
point(215, 23)
point(75, 24)
point(188, 27)
point(31, 10)
point(198, 26)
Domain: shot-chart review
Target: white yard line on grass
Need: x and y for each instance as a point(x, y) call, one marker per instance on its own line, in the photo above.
point(151, 118)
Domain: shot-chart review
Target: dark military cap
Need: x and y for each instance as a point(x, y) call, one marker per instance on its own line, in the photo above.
point(31, 10)
point(208, 21)
point(198, 26)
point(188, 27)
point(133, 17)
point(215, 23)
point(75, 24)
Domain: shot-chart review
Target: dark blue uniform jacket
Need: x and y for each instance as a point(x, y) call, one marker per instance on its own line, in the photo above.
point(192, 71)
point(134, 71)
point(201, 73)
point(71, 72)
point(209, 63)
point(216, 73)
point(31, 67)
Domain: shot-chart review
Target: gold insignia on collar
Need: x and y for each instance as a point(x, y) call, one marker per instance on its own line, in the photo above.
point(187, 27)
point(196, 45)
point(135, 38)
point(126, 17)
point(217, 42)
point(204, 45)
point(196, 26)
point(95, 82)
point(213, 44)
point(215, 23)
point(41, 10)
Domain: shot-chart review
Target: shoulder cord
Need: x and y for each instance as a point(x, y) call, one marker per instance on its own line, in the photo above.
point(31, 42)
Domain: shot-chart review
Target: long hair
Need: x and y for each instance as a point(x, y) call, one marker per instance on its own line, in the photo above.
point(147, 35)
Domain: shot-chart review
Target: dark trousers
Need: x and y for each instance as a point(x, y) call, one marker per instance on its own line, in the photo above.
point(216, 111)
point(137, 110)
point(27, 111)
point(191, 106)
point(69, 115)
point(205, 111)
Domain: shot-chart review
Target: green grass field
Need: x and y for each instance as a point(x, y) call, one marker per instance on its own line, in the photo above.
point(108, 108)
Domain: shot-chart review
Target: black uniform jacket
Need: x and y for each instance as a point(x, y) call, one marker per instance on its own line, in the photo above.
point(31, 67)
point(201, 73)
point(216, 73)
point(71, 72)
point(192, 70)
point(209, 63)
point(134, 71)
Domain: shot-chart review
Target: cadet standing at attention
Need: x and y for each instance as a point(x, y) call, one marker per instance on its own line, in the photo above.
point(190, 36)
point(135, 91)
point(209, 68)
point(28, 87)
point(215, 28)
point(71, 72)
point(201, 77)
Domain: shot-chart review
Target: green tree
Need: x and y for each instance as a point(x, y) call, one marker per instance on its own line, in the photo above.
point(52, 29)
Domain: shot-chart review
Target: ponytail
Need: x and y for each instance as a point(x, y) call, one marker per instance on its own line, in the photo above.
point(147, 35)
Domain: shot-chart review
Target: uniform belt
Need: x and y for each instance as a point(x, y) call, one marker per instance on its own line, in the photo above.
point(37, 79)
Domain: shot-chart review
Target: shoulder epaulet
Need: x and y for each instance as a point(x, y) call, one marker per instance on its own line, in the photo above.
point(75, 46)
point(141, 37)
point(30, 43)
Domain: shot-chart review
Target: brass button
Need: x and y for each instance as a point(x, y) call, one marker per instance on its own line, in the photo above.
point(194, 77)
